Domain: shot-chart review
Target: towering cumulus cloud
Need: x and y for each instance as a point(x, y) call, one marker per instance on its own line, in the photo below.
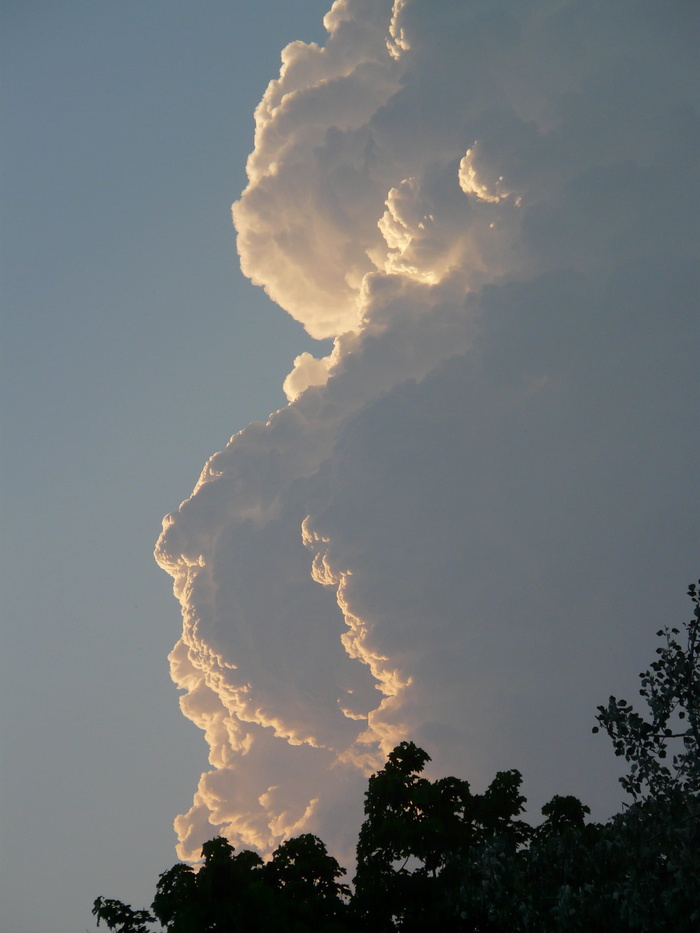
point(465, 525)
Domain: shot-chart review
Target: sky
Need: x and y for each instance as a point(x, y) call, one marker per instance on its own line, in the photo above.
point(468, 238)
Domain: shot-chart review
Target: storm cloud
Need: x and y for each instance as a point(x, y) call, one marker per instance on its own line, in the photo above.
point(464, 526)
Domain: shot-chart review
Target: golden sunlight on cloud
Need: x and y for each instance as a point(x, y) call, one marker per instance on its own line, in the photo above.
point(388, 556)
point(470, 183)
point(308, 371)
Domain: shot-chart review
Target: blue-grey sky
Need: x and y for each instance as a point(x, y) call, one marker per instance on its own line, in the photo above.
point(479, 503)
point(132, 348)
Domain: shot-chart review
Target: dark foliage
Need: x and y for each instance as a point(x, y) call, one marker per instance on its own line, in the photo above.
point(433, 855)
point(671, 690)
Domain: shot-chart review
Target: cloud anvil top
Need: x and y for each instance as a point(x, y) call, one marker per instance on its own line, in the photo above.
point(492, 209)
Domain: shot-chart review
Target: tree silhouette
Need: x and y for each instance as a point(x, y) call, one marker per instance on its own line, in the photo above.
point(419, 837)
point(434, 855)
point(671, 689)
point(296, 892)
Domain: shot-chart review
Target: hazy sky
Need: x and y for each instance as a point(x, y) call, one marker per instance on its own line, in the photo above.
point(132, 348)
point(481, 500)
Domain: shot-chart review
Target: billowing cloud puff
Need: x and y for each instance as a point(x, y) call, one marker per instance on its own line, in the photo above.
point(465, 526)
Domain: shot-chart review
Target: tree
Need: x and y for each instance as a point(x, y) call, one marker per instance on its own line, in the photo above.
point(296, 892)
point(306, 877)
point(120, 917)
point(432, 854)
point(419, 837)
point(639, 871)
point(671, 689)
point(657, 838)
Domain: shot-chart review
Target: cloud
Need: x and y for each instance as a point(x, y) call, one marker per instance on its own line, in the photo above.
point(465, 526)
point(308, 371)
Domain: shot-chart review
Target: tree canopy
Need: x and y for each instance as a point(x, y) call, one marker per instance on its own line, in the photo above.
point(434, 854)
